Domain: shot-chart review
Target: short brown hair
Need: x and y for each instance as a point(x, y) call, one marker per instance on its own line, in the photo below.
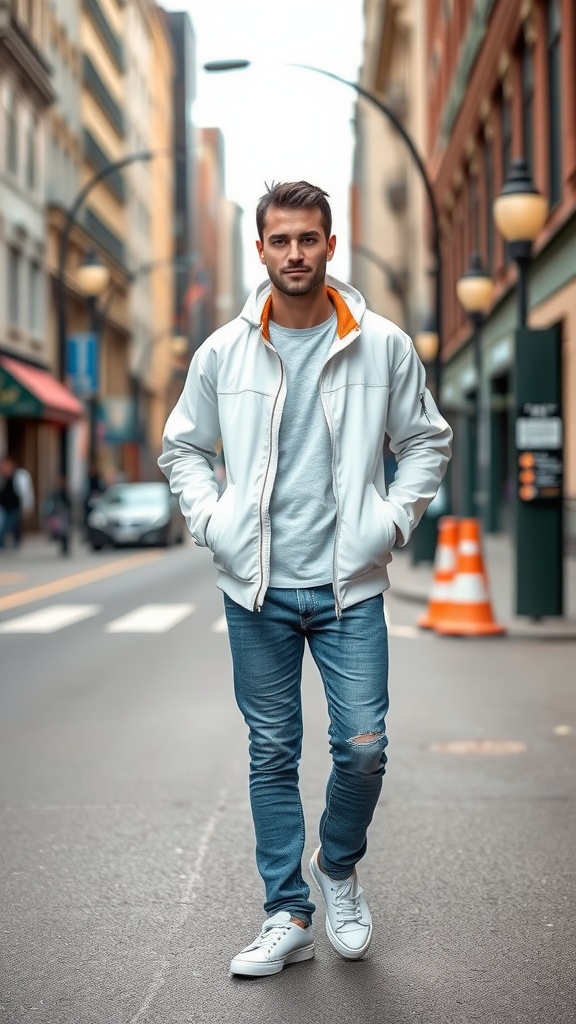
point(296, 194)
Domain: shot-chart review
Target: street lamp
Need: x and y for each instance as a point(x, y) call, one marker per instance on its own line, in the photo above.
point(241, 63)
point(92, 279)
point(475, 290)
point(520, 213)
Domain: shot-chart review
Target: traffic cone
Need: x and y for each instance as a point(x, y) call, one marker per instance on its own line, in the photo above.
point(468, 611)
point(444, 569)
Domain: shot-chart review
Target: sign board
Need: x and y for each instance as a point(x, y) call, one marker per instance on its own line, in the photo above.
point(82, 363)
point(119, 418)
point(539, 446)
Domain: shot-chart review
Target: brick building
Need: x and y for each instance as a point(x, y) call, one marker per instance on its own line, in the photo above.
point(499, 85)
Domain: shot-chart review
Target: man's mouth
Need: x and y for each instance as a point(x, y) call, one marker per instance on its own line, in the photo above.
point(296, 270)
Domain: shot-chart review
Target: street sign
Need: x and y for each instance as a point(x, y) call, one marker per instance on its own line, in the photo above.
point(538, 512)
point(82, 363)
point(539, 446)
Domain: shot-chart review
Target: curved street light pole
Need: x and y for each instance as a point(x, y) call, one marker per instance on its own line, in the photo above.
point(236, 65)
point(71, 213)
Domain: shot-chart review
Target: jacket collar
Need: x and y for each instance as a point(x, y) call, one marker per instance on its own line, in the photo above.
point(345, 322)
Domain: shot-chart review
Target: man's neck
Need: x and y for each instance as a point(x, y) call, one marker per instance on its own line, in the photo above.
point(299, 312)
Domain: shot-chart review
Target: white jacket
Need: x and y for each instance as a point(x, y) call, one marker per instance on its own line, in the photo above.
point(372, 384)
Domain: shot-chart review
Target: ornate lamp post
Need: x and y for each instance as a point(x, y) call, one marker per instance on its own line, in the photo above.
point(520, 212)
point(475, 290)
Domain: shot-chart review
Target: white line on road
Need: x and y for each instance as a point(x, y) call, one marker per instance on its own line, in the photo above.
point(49, 620)
point(408, 632)
point(220, 626)
point(151, 618)
point(186, 903)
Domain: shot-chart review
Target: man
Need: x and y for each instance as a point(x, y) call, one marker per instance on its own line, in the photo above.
point(302, 389)
point(14, 500)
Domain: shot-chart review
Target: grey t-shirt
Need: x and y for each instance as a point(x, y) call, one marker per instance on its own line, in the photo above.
point(303, 507)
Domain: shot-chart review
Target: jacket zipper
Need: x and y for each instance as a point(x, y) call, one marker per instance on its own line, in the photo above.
point(262, 589)
point(337, 606)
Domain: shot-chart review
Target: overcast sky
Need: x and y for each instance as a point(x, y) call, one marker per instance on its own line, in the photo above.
point(278, 123)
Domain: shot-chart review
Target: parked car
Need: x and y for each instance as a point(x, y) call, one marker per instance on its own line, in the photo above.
point(136, 514)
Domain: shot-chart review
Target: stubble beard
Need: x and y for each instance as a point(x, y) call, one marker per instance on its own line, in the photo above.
point(308, 283)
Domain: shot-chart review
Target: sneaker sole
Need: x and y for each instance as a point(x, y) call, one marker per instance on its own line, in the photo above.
point(344, 951)
point(257, 970)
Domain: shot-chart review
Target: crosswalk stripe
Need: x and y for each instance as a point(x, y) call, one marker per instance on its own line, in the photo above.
point(50, 619)
point(151, 618)
point(220, 626)
point(408, 632)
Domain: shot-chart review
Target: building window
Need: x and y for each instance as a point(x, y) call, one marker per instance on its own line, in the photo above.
point(14, 264)
point(528, 106)
point(35, 299)
point(554, 101)
point(11, 132)
point(31, 168)
point(489, 190)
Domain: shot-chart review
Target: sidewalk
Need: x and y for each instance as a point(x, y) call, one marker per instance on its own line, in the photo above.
point(413, 583)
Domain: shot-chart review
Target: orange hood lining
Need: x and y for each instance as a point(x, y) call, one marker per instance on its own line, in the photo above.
point(345, 321)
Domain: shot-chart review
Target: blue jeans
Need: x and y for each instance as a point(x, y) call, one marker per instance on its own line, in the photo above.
point(10, 523)
point(352, 656)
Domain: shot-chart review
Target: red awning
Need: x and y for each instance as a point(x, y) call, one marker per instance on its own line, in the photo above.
point(50, 400)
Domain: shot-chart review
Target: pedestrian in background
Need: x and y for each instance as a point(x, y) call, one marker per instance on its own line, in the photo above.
point(303, 388)
point(12, 501)
point(58, 515)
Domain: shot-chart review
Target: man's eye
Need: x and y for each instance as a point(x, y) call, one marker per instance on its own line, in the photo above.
point(310, 240)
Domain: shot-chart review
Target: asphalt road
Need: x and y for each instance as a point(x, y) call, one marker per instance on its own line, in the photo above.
point(128, 878)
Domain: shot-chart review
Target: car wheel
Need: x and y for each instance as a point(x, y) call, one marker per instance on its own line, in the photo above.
point(96, 546)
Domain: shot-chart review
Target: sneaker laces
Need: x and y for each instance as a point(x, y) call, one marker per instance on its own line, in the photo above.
point(347, 901)
point(269, 936)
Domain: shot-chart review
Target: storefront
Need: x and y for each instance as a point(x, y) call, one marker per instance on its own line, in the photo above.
point(34, 408)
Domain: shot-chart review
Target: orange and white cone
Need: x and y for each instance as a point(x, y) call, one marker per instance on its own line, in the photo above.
point(444, 569)
point(468, 611)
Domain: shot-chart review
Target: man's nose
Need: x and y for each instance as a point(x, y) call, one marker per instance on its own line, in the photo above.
point(295, 255)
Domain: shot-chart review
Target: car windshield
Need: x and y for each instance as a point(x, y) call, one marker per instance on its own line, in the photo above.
point(136, 494)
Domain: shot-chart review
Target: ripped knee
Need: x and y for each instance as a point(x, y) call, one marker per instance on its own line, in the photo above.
point(366, 737)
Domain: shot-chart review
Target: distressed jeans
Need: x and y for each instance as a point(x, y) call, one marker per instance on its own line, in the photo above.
point(351, 654)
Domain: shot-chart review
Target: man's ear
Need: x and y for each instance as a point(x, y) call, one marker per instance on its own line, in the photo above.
point(330, 247)
point(260, 249)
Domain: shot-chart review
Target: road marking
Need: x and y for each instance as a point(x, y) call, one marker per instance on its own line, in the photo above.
point(79, 579)
point(194, 885)
point(220, 626)
point(51, 619)
point(489, 747)
point(151, 618)
point(408, 632)
point(8, 579)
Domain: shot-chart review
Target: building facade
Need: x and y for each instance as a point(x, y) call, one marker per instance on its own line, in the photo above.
point(391, 257)
point(33, 406)
point(500, 85)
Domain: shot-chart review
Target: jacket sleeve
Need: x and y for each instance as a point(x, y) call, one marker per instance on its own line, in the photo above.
point(420, 439)
point(189, 447)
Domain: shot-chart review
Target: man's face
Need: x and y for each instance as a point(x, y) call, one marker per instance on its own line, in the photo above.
point(295, 249)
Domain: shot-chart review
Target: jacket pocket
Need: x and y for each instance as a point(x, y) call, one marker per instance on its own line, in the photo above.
point(221, 516)
point(232, 537)
point(366, 543)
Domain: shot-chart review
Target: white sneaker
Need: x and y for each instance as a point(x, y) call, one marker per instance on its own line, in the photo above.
point(348, 919)
point(279, 943)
